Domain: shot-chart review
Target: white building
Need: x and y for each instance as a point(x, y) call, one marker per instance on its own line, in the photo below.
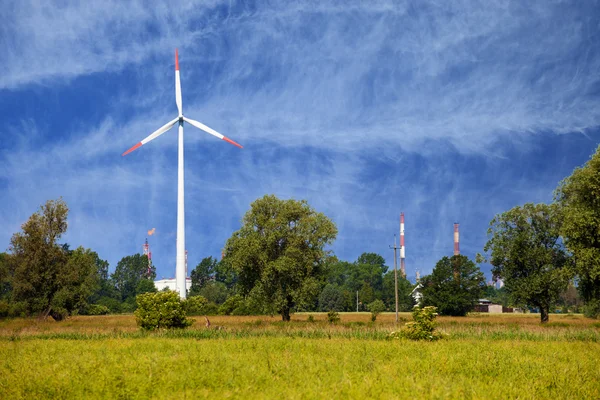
point(170, 284)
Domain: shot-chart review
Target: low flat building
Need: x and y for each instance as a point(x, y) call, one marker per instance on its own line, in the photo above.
point(170, 284)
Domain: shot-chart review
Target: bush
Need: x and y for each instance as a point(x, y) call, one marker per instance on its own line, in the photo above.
point(310, 319)
point(196, 305)
point(113, 305)
point(333, 317)
point(592, 309)
point(96, 309)
point(4, 308)
point(231, 304)
point(17, 309)
point(160, 310)
point(376, 308)
point(237, 305)
point(421, 328)
point(211, 309)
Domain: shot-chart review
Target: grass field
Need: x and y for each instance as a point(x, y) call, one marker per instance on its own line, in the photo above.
point(483, 356)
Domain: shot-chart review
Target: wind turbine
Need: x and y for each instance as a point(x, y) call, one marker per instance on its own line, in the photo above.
point(180, 264)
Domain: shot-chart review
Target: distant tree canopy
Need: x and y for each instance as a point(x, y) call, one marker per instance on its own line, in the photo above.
point(203, 273)
point(47, 278)
point(279, 253)
point(130, 271)
point(579, 198)
point(454, 286)
point(526, 252)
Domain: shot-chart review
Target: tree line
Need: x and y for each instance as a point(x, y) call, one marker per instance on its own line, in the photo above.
point(278, 262)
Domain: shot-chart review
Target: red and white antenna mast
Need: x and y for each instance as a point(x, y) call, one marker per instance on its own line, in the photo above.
point(402, 254)
point(456, 240)
point(148, 254)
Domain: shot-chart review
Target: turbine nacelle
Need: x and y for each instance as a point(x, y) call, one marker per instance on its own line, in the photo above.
point(180, 118)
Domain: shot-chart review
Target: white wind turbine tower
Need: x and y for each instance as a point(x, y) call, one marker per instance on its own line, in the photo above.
point(180, 265)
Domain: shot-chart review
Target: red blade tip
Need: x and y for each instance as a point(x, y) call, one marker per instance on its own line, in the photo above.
point(131, 149)
point(176, 61)
point(232, 142)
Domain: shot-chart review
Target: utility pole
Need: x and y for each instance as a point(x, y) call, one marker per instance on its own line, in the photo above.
point(395, 275)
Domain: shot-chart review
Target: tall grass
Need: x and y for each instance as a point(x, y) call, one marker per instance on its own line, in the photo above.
point(280, 367)
point(494, 357)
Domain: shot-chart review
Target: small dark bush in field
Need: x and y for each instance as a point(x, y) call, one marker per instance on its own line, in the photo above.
point(310, 319)
point(161, 310)
point(96, 309)
point(421, 328)
point(376, 308)
point(333, 317)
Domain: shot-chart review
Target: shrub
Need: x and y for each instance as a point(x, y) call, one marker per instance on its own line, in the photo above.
point(96, 309)
point(333, 317)
point(195, 305)
point(376, 308)
point(4, 308)
point(159, 310)
point(310, 319)
point(211, 309)
point(231, 304)
point(421, 328)
point(17, 309)
point(592, 309)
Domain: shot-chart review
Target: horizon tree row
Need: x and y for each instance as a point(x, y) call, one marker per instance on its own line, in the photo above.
point(278, 263)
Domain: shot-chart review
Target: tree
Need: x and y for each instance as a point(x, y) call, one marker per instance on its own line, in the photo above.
point(454, 286)
point(214, 292)
point(46, 277)
point(77, 281)
point(332, 298)
point(525, 250)
point(202, 274)
point(5, 286)
point(376, 308)
point(278, 254)
point(129, 272)
point(406, 302)
point(579, 198)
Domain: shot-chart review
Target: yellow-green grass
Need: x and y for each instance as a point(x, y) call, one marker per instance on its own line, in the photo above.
point(297, 368)
point(352, 325)
point(483, 356)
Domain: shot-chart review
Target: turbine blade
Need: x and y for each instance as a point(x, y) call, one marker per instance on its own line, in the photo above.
point(153, 135)
point(177, 84)
point(206, 129)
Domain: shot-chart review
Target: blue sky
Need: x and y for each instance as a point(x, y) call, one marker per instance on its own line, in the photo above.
point(451, 111)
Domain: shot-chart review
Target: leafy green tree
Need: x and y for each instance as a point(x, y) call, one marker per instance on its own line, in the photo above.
point(129, 272)
point(48, 278)
point(332, 298)
point(376, 307)
point(202, 274)
point(497, 296)
point(406, 302)
point(579, 198)
point(526, 251)
point(279, 253)
point(145, 286)
point(454, 286)
point(105, 288)
point(5, 286)
point(37, 258)
point(214, 292)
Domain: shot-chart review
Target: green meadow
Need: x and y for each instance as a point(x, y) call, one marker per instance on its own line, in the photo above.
point(482, 356)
